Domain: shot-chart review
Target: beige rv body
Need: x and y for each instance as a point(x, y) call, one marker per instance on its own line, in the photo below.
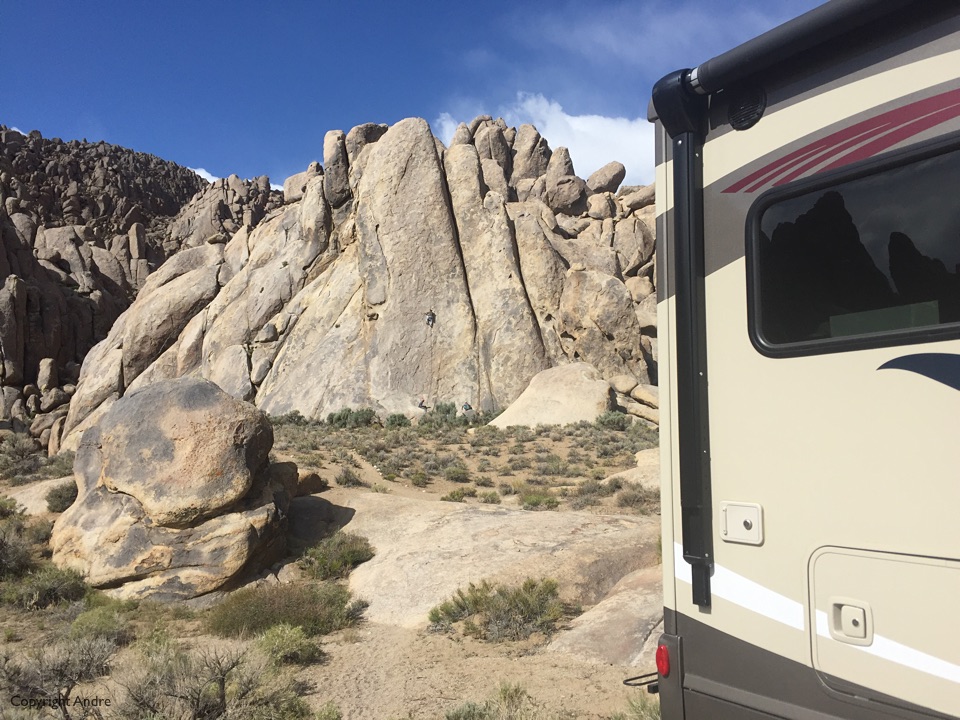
point(848, 476)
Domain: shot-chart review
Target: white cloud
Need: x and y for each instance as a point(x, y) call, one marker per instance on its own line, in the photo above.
point(274, 186)
point(209, 177)
point(444, 127)
point(16, 129)
point(593, 140)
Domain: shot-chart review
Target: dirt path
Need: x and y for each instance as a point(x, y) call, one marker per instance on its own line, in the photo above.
point(382, 672)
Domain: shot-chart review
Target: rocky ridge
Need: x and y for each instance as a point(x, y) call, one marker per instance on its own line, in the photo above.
point(82, 225)
point(401, 270)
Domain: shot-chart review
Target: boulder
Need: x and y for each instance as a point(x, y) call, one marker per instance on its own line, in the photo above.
point(607, 178)
point(565, 192)
point(560, 396)
point(175, 494)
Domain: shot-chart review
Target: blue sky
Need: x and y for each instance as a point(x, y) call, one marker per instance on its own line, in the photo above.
point(251, 87)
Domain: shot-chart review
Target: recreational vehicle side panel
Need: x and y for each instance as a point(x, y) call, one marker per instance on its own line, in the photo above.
point(831, 325)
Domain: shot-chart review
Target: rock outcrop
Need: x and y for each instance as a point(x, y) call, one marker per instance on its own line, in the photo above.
point(323, 304)
point(82, 226)
point(175, 494)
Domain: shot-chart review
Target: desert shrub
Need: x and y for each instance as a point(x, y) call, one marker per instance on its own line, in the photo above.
point(491, 498)
point(37, 533)
point(614, 420)
point(329, 712)
point(170, 682)
point(459, 494)
point(551, 465)
point(53, 672)
point(336, 556)
point(349, 419)
point(62, 496)
point(289, 645)
point(59, 465)
point(15, 555)
point(104, 622)
point(397, 420)
point(317, 608)
point(506, 489)
point(498, 613)
point(348, 478)
point(9, 507)
point(293, 418)
point(419, 479)
point(535, 499)
point(20, 458)
point(46, 586)
point(457, 474)
point(640, 707)
point(639, 498)
point(511, 703)
point(483, 482)
point(519, 463)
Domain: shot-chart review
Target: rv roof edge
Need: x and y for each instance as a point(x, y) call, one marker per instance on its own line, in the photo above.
point(820, 25)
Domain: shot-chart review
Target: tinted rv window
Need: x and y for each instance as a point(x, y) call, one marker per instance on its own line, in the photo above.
point(873, 256)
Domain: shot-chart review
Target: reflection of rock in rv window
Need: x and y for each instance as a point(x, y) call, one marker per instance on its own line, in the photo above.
point(846, 261)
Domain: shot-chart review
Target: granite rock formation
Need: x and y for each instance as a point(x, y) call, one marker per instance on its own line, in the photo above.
point(175, 494)
point(521, 265)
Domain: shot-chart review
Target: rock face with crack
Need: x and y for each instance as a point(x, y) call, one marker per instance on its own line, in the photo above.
point(520, 265)
point(175, 494)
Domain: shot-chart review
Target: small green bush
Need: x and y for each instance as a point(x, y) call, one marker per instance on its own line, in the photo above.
point(533, 499)
point(317, 608)
point(102, 622)
point(457, 474)
point(47, 586)
point(61, 497)
point(459, 494)
point(397, 420)
point(614, 420)
point(498, 613)
point(15, 555)
point(348, 478)
point(419, 479)
point(336, 556)
point(9, 507)
point(492, 497)
point(293, 418)
point(20, 458)
point(289, 645)
point(349, 419)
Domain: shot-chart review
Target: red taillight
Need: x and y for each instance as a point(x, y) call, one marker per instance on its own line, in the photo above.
point(663, 660)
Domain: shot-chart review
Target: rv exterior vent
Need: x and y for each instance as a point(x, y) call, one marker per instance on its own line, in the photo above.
point(746, 107)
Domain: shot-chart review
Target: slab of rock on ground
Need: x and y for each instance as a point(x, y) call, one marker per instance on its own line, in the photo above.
point(560, 396)
point(426, 550)
point(175, 494)
point(646, 473)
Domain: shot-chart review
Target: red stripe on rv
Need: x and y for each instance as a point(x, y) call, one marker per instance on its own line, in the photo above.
point(857, 142)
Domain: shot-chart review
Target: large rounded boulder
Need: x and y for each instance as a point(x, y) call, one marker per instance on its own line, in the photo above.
point(175, 494)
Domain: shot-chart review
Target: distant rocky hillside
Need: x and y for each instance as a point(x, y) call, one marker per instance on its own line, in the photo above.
point(397, 272)
point(82, 225)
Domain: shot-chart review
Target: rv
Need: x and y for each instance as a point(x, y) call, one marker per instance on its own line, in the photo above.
point(808, 218)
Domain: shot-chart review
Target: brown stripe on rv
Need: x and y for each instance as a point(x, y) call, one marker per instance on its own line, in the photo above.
point(722, 674)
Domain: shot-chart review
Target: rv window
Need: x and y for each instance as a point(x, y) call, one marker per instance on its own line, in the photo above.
point(874, 256)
